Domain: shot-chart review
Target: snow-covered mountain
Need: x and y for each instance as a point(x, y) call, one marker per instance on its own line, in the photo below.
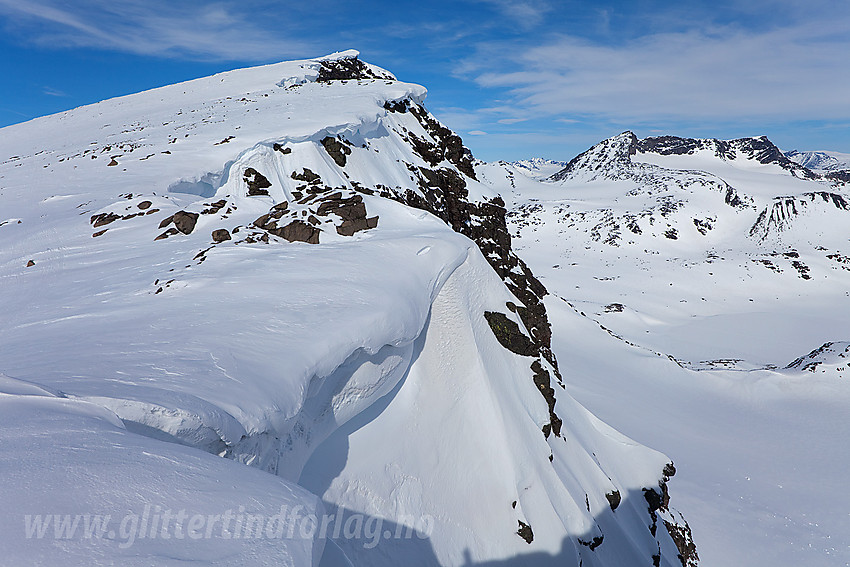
point(284, 295)
point(704, 285)
point(820, 161)
point(538, 168)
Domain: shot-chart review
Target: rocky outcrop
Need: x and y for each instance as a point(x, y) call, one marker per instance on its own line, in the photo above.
point(509, 334)
point(321, 206)
point(684, 541)
point(349, 68)
point(336, 149)
point(185, 221)
point(830, 353)
point(351, 210)
point(658, 502)
point(103, 218)
point(298, 231)
point(778, 216)
point(220, 235)
point(525, 532)
point(256, 181)
point(841, 176)
point(614, 499)
point(447, 145)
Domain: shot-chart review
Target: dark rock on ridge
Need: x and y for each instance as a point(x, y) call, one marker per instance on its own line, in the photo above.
point(257, 182)
point(449, 146)
point(594, 543)
point(614, 499)
point(509, 334)
point(352, 211)
point(525, 532)
point(336, 149)
point(544, 383)
point(185, 221)
point(841, 176)
point(349, 69)
point(306, 175)
point(298, 231)
point(103, 218)
point(220, 235)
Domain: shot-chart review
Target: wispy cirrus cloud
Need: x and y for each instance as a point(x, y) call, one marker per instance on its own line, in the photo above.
point(524, 13)
point(727, 72)
point(214, 31)
point(49, 91)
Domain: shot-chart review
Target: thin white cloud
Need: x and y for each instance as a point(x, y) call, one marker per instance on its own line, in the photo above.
point(524, 13)
point(49, 91)
point(477, 133)
point(459, 119)
point(799, 72)
point(222, 31)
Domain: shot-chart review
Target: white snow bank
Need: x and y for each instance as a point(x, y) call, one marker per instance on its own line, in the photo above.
point(78, 489)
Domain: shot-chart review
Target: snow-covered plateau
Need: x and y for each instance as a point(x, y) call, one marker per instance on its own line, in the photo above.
point(280, 316)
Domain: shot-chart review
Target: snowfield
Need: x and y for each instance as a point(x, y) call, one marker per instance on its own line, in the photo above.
point(238, 302)
point(700, 292)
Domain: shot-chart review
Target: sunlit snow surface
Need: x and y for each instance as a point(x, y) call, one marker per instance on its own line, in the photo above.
point(682, 338)
point(360, 368)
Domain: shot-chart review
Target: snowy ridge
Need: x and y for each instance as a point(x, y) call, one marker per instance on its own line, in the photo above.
point(244, 265)
point(758, 149)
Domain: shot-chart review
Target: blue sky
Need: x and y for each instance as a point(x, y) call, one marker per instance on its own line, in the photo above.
point(515, 79)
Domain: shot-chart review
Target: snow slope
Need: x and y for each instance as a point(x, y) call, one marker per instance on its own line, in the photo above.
point(706, 283)
point(246, 266)
point(62, 457)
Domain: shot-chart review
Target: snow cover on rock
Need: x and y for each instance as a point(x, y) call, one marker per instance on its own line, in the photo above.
point(706, 283)
point(242, 266)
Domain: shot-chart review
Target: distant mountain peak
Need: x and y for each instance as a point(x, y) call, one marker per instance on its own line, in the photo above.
point(537, 168)
point(820, 161)
point(603, 159)
point(610, 158)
